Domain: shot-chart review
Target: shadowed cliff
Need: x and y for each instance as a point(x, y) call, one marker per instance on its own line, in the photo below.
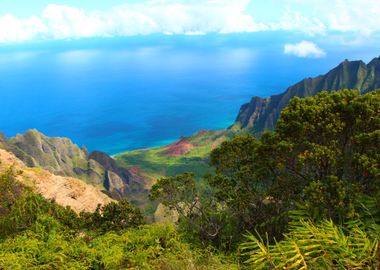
point(262, 113)
point(62, 157)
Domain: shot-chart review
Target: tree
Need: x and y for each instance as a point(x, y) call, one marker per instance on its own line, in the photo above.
point(10, 191)
point(239, 185)
point(322, 158)
point(331, 142)
point(199, 214)
point(178, 192)
point(115, 216)
point(20, 207)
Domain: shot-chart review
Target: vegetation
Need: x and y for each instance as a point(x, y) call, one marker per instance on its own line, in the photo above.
point(47, 246)
point(115, 216)
point(154, 163)
point(322, 246)
point(39, 234)
point(321, 162)
point(261, 114)
point(305, 196)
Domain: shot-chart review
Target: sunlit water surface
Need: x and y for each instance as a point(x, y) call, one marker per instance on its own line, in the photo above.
point(121, 94)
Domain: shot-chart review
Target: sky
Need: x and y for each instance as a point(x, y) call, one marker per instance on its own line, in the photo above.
point(345, 21)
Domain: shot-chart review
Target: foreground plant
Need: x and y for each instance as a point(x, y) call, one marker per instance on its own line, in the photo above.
point(316, 246)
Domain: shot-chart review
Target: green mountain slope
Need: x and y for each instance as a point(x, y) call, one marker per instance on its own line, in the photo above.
point(262, 113)
point(186, 154)
point(62, 157)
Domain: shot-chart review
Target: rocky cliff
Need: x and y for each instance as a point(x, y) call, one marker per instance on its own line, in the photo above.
point(62, 157)
point(57, 155)
point(66, 191)
point(262, 113)
point(119, 182)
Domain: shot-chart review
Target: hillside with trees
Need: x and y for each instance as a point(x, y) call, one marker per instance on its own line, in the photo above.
point(304, 196)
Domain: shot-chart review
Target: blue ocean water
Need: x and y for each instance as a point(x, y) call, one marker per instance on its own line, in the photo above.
point(128, 93)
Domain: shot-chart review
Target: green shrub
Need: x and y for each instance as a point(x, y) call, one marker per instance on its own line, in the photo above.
point(46, 246)
point(316, 246)
point(115, 216)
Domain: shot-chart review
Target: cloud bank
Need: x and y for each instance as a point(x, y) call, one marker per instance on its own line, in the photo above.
point(361, 17)
point(194, 17)
point(304, 49)
point(188, 18)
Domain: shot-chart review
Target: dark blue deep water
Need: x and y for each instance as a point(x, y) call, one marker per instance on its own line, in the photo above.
point(121, 94)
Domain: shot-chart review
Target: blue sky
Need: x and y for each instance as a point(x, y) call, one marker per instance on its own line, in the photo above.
point(341, 21)
point(24, 8)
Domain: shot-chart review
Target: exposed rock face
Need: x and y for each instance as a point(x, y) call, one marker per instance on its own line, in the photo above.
point(109, 164)
point(165, 215)
point(119, 181)
point(57, 155)
point(3, 138)
point(262, 113)
point(66, 191)
point(62, 157)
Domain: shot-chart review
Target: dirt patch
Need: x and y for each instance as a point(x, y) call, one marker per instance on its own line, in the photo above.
point(65, 191)
point(179, 148)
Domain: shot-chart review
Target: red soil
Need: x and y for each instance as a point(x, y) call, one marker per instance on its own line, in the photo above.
point(179, 148)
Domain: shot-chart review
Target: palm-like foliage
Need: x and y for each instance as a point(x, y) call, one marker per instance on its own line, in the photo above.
point(321, 246)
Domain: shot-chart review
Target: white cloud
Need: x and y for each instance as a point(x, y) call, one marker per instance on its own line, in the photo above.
point(361, 17)
point(294, 21)
point(188, 18)
point(195, 17)
point(14, 29)
point(358, 16)
point(304, 49)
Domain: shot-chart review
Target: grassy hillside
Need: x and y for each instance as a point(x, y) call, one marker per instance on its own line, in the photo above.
point(305, 196)
point(36, 233)
point(186, 154)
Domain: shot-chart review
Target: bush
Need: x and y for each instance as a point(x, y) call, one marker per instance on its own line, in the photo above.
point(115, 216)
point(45, 246)
point(316, 246)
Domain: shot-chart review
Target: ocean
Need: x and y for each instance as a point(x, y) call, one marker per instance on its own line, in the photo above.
point(121, 94)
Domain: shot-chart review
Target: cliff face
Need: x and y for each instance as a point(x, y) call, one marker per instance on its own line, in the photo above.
point(119, 181)
point(57, 155)
point(66, 191)
point(262, 113)
point(62, 157)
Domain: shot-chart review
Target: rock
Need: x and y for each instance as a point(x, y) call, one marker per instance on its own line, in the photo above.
point(109, 164)
point(66, 191)
point(165, 215)
point(57, 155)
point(118, 180)
point(3, 138)
point(115, 185)
point(62, 157)
point(262, 113)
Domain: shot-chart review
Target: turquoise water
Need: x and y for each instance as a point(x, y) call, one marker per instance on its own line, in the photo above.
point(120, 94)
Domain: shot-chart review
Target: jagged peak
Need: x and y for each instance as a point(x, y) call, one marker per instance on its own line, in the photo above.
point(347, 63)
point(257, 99)
point(262, 113)
point(374, 61)
point(30, 132)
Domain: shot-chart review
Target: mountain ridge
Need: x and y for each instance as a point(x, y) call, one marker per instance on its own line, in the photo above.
point(62, 157)
point(262, 113)
point(66, 191)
